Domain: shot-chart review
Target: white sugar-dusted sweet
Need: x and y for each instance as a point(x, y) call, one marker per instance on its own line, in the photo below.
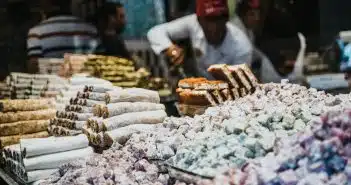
point(40, 146)
point(55, 160)
point(147, 117)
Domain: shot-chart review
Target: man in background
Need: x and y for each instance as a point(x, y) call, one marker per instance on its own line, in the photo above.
point(111, 24)
point(214, 40)
point(60, 33)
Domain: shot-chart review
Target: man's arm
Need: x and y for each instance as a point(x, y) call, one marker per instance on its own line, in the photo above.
point(161, 36)
point(34, 51)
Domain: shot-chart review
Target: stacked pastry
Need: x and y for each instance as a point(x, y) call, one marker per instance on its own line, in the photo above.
point(28, 86)
point(5, 92)
point(71, 120)
point(50, 65)
point(121, 72)
point(232, 82)
point(37, 159)
point(24, 119)
point(76, 84)
point(126, 111)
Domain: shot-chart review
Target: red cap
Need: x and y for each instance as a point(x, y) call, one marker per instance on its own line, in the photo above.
point(254, 3)
point(205, 8)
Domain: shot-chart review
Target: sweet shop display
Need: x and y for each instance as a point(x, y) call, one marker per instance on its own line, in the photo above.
point(36, 159)
point(126, 111)
point(24, 119)
point(227, 136)
point(240, 132)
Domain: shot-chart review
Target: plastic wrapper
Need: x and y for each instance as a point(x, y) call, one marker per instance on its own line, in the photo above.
point(116, 109)
point(10, 140)
point(43, 146)
point(26, 105)
point(10, 117)
point(23, 127)
point(55, 160)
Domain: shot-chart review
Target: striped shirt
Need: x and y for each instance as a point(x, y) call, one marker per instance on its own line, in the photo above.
point(58, 35)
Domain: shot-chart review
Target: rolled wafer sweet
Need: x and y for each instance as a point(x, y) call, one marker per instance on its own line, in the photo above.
point(55, 160)
point(36, 175)
point(62, 131)
point(98, 110)
point(23, 127)
point(97, 88)
point(89, 103)
point(43, 146)
point(26, 105)
point(147, 117)
point(121, 135)
point(9, 140)
point(92, 96)
point(67, 123)
point(96, 124)
point(132, 95)
point(115, 109)
point(10, 117)
point(78, 108)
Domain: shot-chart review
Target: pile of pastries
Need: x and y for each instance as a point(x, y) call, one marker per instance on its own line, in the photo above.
point(232, 83)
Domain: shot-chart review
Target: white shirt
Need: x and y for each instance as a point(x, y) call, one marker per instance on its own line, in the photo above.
point(235, 49)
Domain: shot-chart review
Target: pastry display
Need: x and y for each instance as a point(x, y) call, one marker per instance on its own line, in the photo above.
point(35, 159)
point(231, 135)
point(233, 82)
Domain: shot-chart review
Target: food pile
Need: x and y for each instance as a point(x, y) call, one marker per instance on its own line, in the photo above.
point(320, 155)
point(24, 119)
point(50, 65)
point(233, 82)
point(36, 159)
point(121, 72)
point(76, 84)
point(225, 136)
point(29, 86)
point(72, 119)
point(121, 113)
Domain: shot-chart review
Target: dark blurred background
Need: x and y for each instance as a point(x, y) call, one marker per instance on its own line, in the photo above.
point(319, 20)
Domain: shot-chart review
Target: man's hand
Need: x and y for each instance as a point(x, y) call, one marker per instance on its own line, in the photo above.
point(176, 54)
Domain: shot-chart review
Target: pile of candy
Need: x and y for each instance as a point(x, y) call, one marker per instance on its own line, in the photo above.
point(319, 156)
